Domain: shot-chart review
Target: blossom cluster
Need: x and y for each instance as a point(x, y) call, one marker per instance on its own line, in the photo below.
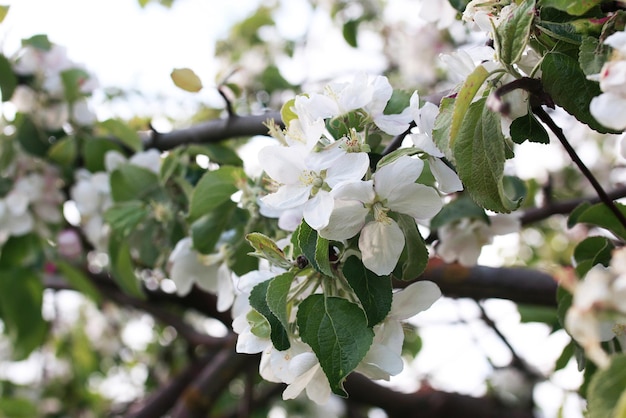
point(48, 95)
point(34, 201)
point(329, 182)
point(598, 311)
point(609, 107)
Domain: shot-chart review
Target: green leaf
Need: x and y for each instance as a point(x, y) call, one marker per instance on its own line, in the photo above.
point(94, 150)
point(480, 155)
point(394, 155)
point(527, 127)
point(206, 230)
point(442, 126)
point(350, 31)
point(131, 182)
point(78, 280)
point(287, 113)
point(315, 249)
point(64, 151)
point(459, 208)
point(266, 248)
point(38, 41)
point(592, 55)
point(606, 390)
point(414, 257)
point(600, 215)
point(258, 300)
point(463, 101)
point(186, 79)
point(22, 251)
point(4, 10)
point(543, 314)
point(123, 132)
point(373, 291)
point(572, 7)
point(559, 73)
point(31, 137)
point(459, 5)
point(18, 408)
point(222, 154)
point(8, 79)
point(73, 79)
point(512, 35)
point(123, 217)
point(122, 268)
point(277, 297)
point(592, 250)
point(337, 332)
point(399, 100)
point(213, 189)
point(21, 298)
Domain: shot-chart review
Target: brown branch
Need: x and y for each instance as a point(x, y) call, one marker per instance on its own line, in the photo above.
point(201, 395)
point(566, 206)
point(211, 131)
point(545, 118)
point(164, 398)
point(427, 403)
point(517, 284)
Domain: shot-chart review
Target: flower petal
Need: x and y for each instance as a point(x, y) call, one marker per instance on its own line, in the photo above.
point(317, 211)
point(609, 109)
point(346, 220)
point(381, 244)
point(447, 179)
point(349, 167)
point(283, 164)
point(413, 299)
point(405, 170)
point(416, 200)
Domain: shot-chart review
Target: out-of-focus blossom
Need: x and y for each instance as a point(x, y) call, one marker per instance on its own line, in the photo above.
point(463, 240)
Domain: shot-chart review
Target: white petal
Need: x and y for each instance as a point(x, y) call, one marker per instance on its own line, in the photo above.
point(362, 191)
point(381, 94)
point(349, 167)
point(413, 299)
point(283, 164)
point(225, 288)
point(424, 143)
point(447, 179)
point(416, 200)
point(394, 124)
point(385, 359)
point(405, 170)
point(428, 113)
point(304, 367)
point(346, 220)
point(381, 245)
point(610, 110)
point(317, 211)
point(113, 159)
point(288, 196)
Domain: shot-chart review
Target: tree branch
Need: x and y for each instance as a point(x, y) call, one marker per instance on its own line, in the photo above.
point(211, 131)
point(427, 403)
point(517, 284)
point(545, 118)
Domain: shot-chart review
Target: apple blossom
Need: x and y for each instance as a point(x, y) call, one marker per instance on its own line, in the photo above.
point(363, 207)
point(305, 179)
point(463, 240)
point(384, 356)
point(210, 272)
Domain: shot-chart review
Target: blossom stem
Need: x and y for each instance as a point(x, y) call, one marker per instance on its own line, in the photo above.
point(604, 197)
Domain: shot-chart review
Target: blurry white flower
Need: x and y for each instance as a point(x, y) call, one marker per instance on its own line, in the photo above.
point(209, 272)
point(463, 240)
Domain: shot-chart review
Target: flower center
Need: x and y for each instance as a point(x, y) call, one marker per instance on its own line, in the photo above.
point(380, 213)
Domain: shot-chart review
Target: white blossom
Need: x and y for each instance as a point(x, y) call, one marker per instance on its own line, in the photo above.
point(392, 188)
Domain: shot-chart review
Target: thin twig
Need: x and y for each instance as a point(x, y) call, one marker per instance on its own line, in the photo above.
point(545, 118)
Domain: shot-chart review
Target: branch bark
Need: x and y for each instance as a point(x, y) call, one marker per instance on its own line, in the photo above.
point(211, 131)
